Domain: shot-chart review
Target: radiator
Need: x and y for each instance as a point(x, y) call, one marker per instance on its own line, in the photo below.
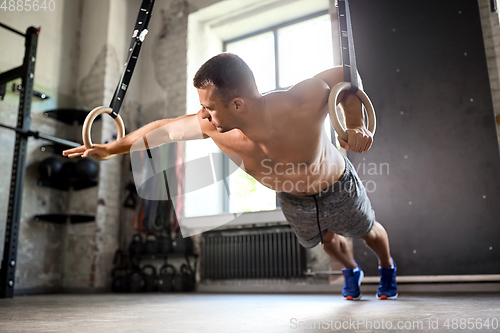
point(270, 252)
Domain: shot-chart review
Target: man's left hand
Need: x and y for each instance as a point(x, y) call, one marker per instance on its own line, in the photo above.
point(359, 140)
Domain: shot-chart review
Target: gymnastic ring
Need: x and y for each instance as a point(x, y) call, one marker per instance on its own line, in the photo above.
point(87, 127)
point(334, 118)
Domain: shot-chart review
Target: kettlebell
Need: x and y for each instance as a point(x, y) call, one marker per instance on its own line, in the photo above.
point(184, 280)
point(135, 279)
point(119, 282)
point(150, 278)
point(164, 243)
point(182, 245)
point(166, 278)
point(151, 244)
point(136, 246)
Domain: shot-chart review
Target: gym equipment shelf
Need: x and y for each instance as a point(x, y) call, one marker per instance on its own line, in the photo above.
point(27, 74)
point(69, 116)
point(164, 255)
point(62, 218)
point(65, 183)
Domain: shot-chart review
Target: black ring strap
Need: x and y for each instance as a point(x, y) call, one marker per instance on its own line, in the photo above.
point(347, 46)
point(138, 37)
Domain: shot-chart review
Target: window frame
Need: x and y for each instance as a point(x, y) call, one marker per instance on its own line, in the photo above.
point(274, 29)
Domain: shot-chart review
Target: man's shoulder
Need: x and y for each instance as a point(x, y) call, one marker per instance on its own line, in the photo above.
point(302, 87)
point(308, 96)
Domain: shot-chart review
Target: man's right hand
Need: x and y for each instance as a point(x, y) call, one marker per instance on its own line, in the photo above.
point(99, 150)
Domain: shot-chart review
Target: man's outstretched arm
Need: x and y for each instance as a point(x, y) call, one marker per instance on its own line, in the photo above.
point(151, 135)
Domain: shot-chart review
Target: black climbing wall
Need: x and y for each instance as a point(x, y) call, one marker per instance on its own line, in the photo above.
point(424, 66)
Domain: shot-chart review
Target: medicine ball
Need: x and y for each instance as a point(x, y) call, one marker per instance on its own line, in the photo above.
point(50, 168)
point(86, 168)
point(68, 170)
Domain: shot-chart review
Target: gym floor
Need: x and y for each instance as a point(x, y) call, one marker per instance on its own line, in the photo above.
point(249, 313)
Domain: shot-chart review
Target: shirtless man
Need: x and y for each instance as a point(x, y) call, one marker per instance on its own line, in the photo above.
point(281, 141)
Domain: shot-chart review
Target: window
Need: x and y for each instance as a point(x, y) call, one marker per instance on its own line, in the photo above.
point(279, 58)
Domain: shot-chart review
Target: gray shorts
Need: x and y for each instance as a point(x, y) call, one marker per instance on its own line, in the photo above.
point(344, 208)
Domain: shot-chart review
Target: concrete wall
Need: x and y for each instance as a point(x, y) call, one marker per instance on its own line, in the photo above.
point(491, 35)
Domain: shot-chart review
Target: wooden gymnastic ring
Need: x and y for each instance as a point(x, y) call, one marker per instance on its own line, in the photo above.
point(87, 127)
point(332, 103)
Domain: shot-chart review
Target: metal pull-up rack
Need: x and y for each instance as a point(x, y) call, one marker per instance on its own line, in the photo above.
point(22, 130)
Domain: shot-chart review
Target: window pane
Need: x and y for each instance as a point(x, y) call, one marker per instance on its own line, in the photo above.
point(248, 195)
point(305, 49)
point(207, 200)
point(258, 53)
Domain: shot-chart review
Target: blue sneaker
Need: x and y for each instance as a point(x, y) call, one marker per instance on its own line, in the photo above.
point(387, 289)
point(352, 280)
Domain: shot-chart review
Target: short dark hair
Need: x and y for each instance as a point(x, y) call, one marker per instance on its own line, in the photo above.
point(228, 74)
